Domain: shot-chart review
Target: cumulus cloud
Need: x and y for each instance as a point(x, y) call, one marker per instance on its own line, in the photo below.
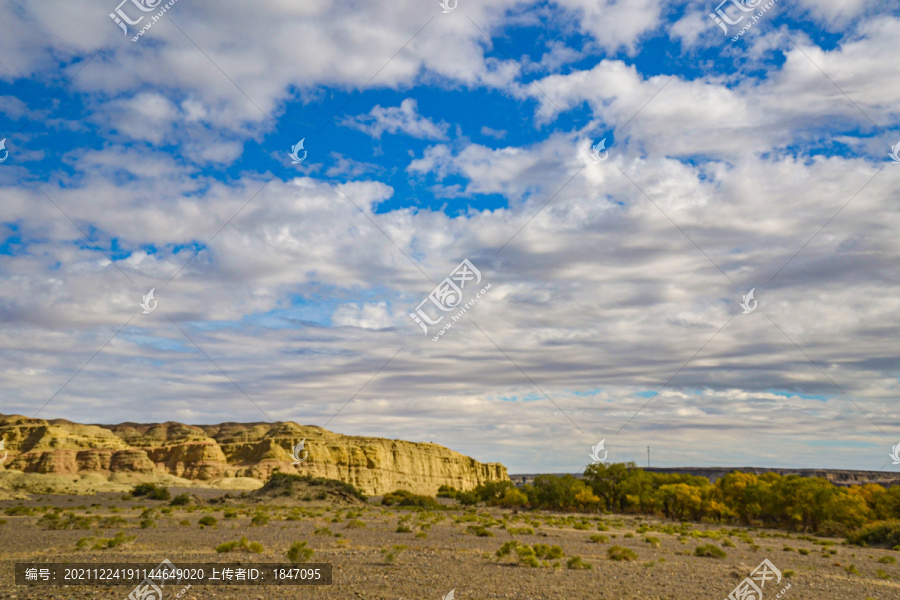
point(610, 282)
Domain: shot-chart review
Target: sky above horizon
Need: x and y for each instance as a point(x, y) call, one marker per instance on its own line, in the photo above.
point(620, 174)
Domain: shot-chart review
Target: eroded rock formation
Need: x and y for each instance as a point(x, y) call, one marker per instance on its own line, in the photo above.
point(206, 453)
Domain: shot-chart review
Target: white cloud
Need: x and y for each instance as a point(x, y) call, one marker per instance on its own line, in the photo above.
point(398, 119)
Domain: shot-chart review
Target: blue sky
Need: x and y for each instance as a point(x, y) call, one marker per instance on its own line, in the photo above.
point(614, 308)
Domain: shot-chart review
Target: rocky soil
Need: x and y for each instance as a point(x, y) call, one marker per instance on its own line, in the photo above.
point(449, 549)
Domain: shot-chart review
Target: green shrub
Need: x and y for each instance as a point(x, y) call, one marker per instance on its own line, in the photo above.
point(181, 500)
point(888, 560)
point(151, 491)
point(148, 524)
point(323, 531)
point(241, 545)
point(882, 574)
point(710, 551)
point(230, 513)
point(354, 524)
point(599, 538)
point(788, 573)
point(851, 570)
point(259, 520)
point(405, 498)
point(879, 533)
point(208, 521)
point(575, 562)
point(299, 553)
point(390, 555)
point(117, 540)
point(479, 530)
point(620, 553)
point(653, 541)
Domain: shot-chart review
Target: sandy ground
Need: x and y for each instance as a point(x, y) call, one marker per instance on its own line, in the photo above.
point(444, 552)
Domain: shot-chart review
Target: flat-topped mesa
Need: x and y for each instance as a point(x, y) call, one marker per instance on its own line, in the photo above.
point(206, 453)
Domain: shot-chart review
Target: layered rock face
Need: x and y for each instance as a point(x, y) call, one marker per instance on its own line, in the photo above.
point(206, 453)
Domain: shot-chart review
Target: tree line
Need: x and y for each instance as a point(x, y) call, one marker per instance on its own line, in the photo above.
point(808, 504)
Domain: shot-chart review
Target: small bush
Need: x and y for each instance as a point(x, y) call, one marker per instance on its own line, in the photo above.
point(151, 492)
point(390, 555)
point(299, 553)
point(710, 551)
point(879, 533)
point(653, 541)
point(117, 540)
point(851, 570)
point(354, 524)
point(148, 524)
point(788, 573)
point(208, 521)
point(599, 538)
point(259, 520)
point(882, 574)
point(575, 562)
point(230, 513)
point(241, 545)
point(404, 498)
point(620, 553)
point(888, 560)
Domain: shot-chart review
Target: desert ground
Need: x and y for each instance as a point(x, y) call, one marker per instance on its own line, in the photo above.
point(449, 549)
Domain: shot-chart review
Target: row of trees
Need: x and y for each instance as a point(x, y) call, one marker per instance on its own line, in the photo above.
point(792, 502)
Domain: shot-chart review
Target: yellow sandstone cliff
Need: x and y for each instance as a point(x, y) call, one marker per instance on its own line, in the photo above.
point(210, 453)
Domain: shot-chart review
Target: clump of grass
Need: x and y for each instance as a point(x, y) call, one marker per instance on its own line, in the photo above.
point(391, 554)
point(851, 570)
point(788, 573)
point(208, 521)
point(653, 541)
point(520, 530)
point(150, 491)
point(710, 551)
point(888, 560)
point(148, 524)
point(181, 500)
point(354, 524)
point(620, 553)
point(323, 531)
point(882, 574)
point(299, 552)
point(259, 520)
point(241, 545)
point(184, 523)
point(728, 543)
point(479, 530)
point(599, 538)
point(105, 543)
point(230, 513)
point(575, 562)
point(548, 552)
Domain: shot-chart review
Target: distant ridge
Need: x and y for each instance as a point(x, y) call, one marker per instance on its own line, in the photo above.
point(842, 477)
